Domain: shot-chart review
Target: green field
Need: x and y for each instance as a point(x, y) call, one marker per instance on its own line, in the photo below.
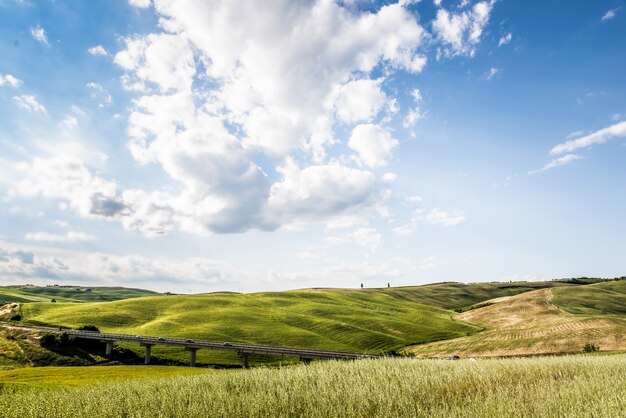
point(28, 293)
point(552, 317)
point(352, 320)
point(45, 377)
point(581, 386)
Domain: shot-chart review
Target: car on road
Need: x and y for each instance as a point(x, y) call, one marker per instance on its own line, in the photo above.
point(227, 344)
point(161, 339)
point(138, 337)
point(188, 341)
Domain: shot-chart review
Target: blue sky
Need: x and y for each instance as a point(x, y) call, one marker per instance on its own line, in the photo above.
point(204, 146)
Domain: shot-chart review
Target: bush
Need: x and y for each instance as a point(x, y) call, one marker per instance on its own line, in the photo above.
point(48, 340)
point(16, 317)
point(53, 300)
point(590, 348)
point(89, 328)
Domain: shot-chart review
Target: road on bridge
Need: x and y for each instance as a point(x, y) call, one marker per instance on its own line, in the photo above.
point(193, 345)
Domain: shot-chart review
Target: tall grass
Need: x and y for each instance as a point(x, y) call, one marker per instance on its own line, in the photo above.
point(539, 387)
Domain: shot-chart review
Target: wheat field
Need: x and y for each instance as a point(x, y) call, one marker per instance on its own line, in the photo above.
point(572, 386)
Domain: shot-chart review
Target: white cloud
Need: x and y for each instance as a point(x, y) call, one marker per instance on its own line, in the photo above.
point(142, 4)
point(8, 79)
point(491, 73)
point(238, 103)
point(412, 117)
point(163, 59)
point(39, 34)
point(462, 31)
point(617, 130)
point(98, 50)
point(68, 123)
point(505, 39)
point(29, 103)
point(433, 217)
point(68, 179)
point(70, 236)
point(557, 162)
point(609, 14)
point(365, 237)
point(194, 274)
point(373, 144)
point(95, 86)
point(321, 193)
point(389, 177)
point(368, 237)
point(359, 100)
point(439, 217)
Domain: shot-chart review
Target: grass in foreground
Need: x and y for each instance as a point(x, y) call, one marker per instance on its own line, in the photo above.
point(579, 386)
point(29, 377)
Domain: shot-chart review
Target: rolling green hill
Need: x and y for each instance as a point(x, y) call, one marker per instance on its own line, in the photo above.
point(519, 318)
point(23, 294)
point(338, 319)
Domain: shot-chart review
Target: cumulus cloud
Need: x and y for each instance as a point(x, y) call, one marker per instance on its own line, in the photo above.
point(460, 32)
point(29, 103)
point(617, 130)
point(359, 100)
point(273, 87)
point(505, 39)
point(98, 50)
point(39, 34)
point(321, 193)
point(372, 144)
point(9, 80)
point(67, 178)
point(557, 162)
point(70, 236)
point(244, 106)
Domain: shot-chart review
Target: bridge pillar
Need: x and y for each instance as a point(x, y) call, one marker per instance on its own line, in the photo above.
point(192, 356)
point(109, 348)
point(148, 355)
point(244, 357)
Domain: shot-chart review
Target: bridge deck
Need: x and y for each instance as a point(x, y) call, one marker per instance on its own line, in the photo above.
point(195, 344)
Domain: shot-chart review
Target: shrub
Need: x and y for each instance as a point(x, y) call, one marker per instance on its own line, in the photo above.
point(89, 328)
point(53, 300)
point(48, 340)
point(590, 348)
point(16, 317)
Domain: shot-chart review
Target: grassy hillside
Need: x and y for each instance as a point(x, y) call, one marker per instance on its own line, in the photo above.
point(353, 320)
point(24, 294)
point(544, 321)
point(459, 296)
point(582, 386)
point(598, 299)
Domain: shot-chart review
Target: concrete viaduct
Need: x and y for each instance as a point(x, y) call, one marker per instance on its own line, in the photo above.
point(193, 345)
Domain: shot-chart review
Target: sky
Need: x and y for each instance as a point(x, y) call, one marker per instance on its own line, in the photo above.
point(200, 146)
